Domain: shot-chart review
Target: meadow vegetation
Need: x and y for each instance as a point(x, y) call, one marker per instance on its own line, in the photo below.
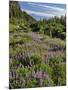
point(37, 50)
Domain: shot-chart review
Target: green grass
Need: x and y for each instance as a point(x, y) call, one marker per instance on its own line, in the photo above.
point(55, 41)
point(19, 39)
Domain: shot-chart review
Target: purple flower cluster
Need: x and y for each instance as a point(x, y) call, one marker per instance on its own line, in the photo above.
point(19, 56)
point(24, 59)
point(12, 74)
point(39, 74)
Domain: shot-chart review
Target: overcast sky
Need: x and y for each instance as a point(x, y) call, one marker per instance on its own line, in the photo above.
point(43, 10)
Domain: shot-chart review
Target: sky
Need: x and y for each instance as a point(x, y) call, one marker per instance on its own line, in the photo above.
point(43, 10)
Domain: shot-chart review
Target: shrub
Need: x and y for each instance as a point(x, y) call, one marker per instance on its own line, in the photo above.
point(48, 82)
point(36, 59)
point(59, 74)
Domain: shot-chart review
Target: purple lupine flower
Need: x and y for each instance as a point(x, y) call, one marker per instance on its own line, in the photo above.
point(10, 75)
point(14, 74)
point(45, 75)
point(40, 74)
point(37, 74)
point(18, 57)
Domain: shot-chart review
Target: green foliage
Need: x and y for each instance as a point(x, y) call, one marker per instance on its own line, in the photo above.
point(44, 68)
point(27, 18)
point(14, 10)
point(19, 20)
point(24, 72)
point(35, 27)
point(12, 28)
point(48, 82)
point(59, 70)
point(55, 41)
point(54, 27)
point(36, 59)
point(57, 60)
point(19, 39)
point(31, 83)
point(59, 74)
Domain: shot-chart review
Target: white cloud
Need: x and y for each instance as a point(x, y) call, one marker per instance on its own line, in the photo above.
point(50, 7)
point(40, 13)
point(52, 11)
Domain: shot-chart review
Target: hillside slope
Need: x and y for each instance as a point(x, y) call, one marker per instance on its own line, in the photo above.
point(15, 12)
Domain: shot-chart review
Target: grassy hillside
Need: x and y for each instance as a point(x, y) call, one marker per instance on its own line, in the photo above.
point(15, 12)
point(17, 18)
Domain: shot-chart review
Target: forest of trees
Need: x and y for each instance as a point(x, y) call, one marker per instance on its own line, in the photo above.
point(53, 27)
point(35, 62)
